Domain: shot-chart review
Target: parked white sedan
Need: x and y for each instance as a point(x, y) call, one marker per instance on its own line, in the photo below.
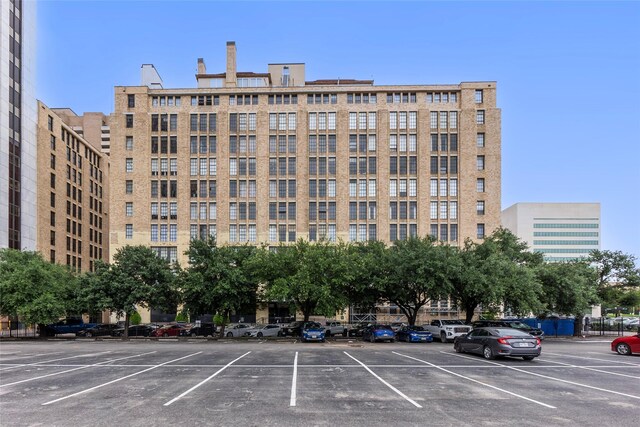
point(260, 331)
point(238, 330)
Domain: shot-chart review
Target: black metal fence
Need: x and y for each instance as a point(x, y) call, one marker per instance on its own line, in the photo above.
point(607, 326)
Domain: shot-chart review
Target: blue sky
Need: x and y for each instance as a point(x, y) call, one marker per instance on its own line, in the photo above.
point(568, 73)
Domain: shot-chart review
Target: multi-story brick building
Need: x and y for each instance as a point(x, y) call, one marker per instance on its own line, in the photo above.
point(271, 157)
point(91, 126)
point(73, 188)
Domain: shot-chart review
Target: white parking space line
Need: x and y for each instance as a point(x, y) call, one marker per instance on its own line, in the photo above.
point(205, 380)
point(292, 402)
point(55, 360)
point(593, 358)
point(384, 382)
point(550, 378)
point(5, 360)
point(74, 369)
point(478, 382)
point(117, 380)
point(591, 369)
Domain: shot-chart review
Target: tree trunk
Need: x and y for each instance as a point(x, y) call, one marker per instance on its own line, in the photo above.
point(413, 314)
point(577, 326)
point(127, 320)
point(468, 312)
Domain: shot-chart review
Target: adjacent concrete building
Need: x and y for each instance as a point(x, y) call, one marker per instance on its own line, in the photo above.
point(560, 231)
point(73, 188)
point(18, 117)
point(271, 157)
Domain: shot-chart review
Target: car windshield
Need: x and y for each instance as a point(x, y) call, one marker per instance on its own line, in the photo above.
point(382, 327)
point(452, 322)
point(415, 328)
point(519, 325)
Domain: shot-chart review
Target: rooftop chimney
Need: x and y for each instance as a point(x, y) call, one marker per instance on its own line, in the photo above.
point(231, 65)
point(202, 68)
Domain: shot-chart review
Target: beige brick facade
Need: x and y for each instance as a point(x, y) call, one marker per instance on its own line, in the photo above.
point(72, 194)
point(398, 203)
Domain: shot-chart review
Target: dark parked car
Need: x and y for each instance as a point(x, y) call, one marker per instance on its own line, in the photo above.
point(494, 342)
point(70, 325)
point(375, 333)
point(414, 334)
point(99, 330)
point(356, 329)
point(137, 331)
point(489, 324)
point(168, 331)
point(626, 345)
point(536, 332)
point(204, 330)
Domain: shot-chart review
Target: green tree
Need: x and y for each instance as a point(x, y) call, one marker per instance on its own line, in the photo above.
point(496, 272)
point(364, 259)
point(34, 290)
point(311, 276)
point(616, 273)
point(567, 288)
point(136, 319)
point(413, 272)
point(137, 278)
point(220, 279)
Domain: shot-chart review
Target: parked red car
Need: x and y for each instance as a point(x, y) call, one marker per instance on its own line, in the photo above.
point(626, 345)
point(168, 331)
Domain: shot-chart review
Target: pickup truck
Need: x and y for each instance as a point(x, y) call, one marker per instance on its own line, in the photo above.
point(335, 328)
point(65, 326)
point(447, 330)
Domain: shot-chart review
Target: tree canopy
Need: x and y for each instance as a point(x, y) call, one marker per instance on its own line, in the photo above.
point(137, 278)
point(219, 279)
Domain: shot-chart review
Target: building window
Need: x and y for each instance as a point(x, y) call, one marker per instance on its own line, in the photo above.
point(129, 209)
point(129, 120)
point(480, 231)
point(479, 97)
point(129, 186)
point(129, 231)
point(129, 164)
point(480, 207)
point(480, 185)
point(129, 143)
point(480, 163)
point(480, 117)
point(131, 101)
point(480, 140)
point(50, 123)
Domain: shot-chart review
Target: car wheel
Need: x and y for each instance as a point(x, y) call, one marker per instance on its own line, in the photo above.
point(193, 334)
point(165, 335)
point(457, 348)
point(443, 337)
point(623, 349)
point(344, 334)
point(229, 334)
point(260, 334)
point(527, 357)
point(372, 338)
point(280, 334)
point(488, 353)
point(392, 340)
point(328, 334)
point(89, 335)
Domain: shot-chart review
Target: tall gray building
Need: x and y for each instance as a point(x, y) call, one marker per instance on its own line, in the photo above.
point(18, 116)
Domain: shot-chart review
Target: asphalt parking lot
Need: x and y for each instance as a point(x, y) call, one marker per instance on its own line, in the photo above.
point(147, 383)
